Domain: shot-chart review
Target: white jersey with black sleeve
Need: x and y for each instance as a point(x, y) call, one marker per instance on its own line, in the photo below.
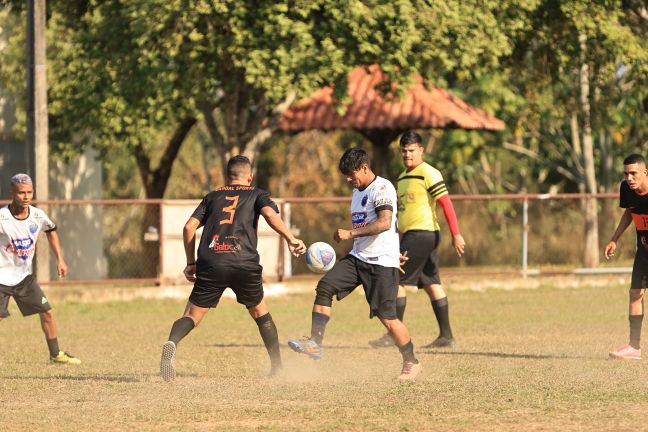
point(18, 243)
point(381, 249)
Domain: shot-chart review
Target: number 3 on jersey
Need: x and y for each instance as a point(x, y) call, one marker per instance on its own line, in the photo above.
point(231, 209)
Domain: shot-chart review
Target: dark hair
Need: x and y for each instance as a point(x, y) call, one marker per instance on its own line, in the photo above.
point(410, 137)
point(634, 159)
point(353, 159)
point(238, 166)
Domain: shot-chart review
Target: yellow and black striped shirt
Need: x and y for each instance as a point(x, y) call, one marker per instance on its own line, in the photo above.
point(418, 191)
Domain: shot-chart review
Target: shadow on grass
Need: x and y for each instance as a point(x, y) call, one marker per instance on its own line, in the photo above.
point(506, 355)
point(135, 378)
point(426, 351)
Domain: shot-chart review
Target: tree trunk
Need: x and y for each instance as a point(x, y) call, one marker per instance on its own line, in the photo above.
point(591, 250)
point(155, 183)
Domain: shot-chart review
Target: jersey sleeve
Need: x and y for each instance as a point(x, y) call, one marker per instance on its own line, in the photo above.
point(384, 197)
point(434, 183)
point(46, 223)
point(623, 195)
point(263, 200)
point(201, 210)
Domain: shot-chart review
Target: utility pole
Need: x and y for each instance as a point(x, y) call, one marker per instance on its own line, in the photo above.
point(37, 127)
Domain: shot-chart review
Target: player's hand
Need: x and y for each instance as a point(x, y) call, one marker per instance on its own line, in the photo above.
point(190, 272)
point(402, 259)
point(341, 235)
point(62, 268)
point(609, 250)
point(297, 247)
point(459, 244)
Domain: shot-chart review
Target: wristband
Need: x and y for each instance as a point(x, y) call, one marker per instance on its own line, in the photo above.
point(193, 263)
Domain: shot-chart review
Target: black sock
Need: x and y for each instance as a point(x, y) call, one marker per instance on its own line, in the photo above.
point(270, 337)
point(401, 303)
point(180, 329)
point(318, 325)
point(52, 344)
point(440, 308)
point(407, 351)
point(635, 330)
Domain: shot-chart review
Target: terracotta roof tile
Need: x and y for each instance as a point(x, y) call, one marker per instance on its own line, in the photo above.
point(419, 108)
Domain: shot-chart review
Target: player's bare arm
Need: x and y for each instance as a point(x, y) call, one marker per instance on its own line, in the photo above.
point(624, 223)
point(55, 245)
point(382, 224)
point(189, 240)
point(296, 246)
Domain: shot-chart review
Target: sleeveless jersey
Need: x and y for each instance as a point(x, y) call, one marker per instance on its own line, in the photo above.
point(382, 249)
point(230, 216)
point(18, 243)
point(638, 205)
point(418, 191)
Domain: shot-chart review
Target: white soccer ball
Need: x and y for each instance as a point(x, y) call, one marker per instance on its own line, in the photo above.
point(320, 257)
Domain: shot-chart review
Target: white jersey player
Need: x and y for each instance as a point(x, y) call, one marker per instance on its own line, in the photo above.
point(20, 224)
point(372, 263)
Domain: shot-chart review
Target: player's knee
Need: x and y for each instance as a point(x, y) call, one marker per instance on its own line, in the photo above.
point(324, 294)
point(636, 294)
point(47, 315)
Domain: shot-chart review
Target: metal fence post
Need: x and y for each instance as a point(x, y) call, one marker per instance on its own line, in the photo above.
point(525, 237)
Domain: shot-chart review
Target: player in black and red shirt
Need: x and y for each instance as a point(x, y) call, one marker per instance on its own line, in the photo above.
point(228, 258)
point(634, 198)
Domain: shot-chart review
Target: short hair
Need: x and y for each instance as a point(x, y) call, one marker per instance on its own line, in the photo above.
point(634, 159)
point(411, 137)
point(238, 166)
point(353, 159)
point(20, 178)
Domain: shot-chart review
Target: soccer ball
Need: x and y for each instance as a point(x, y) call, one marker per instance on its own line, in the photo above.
point(320, 257)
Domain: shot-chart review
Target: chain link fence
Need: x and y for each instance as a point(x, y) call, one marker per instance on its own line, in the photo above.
point(130, 240)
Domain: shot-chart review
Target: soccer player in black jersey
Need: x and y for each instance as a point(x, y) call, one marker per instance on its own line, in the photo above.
point(633, 196)
point(228, 258)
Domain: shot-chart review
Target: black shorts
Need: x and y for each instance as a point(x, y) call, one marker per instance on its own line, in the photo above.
point(422, 267)
point(640, 271)
point(380, 284)
point(28, 296)
point(210, 284)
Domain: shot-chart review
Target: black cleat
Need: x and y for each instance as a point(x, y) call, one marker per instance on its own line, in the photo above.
point(442, 342)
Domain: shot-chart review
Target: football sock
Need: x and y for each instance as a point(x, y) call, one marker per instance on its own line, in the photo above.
point(635, 330)
point(440, 308)
point(318, 326)
point(407, 351)
point(53, 346)
point(180, 329)
point(401, 303)
point(270, 337)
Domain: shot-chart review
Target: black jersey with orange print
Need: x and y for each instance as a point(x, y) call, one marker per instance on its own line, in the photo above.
point(230, 216)
point(638, 206)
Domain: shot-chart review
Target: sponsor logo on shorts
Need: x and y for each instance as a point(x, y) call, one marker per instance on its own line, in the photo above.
point(43, 300)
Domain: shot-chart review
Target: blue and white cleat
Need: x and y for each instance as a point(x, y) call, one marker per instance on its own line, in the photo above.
point(306, 346)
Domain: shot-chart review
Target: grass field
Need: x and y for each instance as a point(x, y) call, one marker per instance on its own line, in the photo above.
point(528, 359)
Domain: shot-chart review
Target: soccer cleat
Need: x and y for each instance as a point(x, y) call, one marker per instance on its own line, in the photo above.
point(410, 370)
point(64, 358)
point(626, 352)
point(306, 346)
point(442, 342)
point(382, 342)
point(167, 362)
